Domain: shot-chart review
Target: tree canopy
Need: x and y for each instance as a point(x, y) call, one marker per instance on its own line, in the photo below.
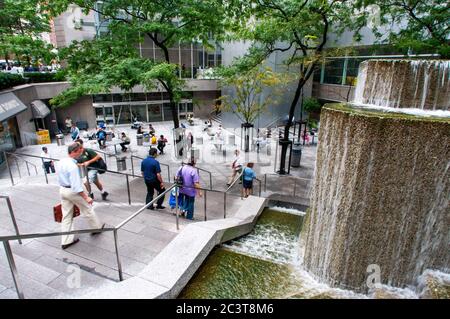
point(424, 24)
point(22, 23)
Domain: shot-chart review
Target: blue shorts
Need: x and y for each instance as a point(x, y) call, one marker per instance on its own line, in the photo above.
point(248, 184)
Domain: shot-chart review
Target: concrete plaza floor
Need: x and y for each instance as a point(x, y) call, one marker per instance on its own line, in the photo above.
point(44, 269)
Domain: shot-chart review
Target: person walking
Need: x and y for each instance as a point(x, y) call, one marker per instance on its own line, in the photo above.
point(190, 187)
point(74, 132)
point(151, 171)
point(125, 141)
point(89, 157)
point(48, 163)
point(72, 193)
point(161, 144)
point(236, 167)
point(248, 175)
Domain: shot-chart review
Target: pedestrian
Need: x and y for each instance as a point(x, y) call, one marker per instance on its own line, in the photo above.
point(151, 171)
point(90, 159)
point(151, 130)
point(48, 163)
point(125, 141)
point(248, 175)
point(190, 180)
point(72, 193)
point(161, 144)
point(101, 137)
point(236, 167)
point(190, 140)
point(68, 124)
point(153, 140)
point(74, 132)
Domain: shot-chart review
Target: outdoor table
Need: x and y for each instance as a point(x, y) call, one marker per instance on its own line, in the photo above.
point(114, 142)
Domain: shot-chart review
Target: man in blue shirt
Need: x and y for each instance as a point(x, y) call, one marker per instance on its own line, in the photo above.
point(151, 171)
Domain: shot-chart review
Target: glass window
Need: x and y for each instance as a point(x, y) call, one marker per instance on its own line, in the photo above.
point(139, 113)
point(138, 97)
point(167, 112)
point(333, 71)
point(154, 96)
point(190, 107)
point(117, 97)
point(122, 114)
point(99, 113)
point(99, 98)
point(154, 112)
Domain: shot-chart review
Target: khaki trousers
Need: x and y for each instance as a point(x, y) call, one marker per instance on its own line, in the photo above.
point(68, 199)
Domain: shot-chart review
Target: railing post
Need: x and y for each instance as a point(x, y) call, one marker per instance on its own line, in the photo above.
point(13, 218)
point(132, 165)
point(210, 181)
point(9, 167)
point(18, 167)
point(12, 266)
point(225, 205)
point(265, 182)
point(35, 169)
point(128, 190)
point(119, 265)
point(45, 171)
point(259, 188)
point(168, 173)
point(295, 185)
point(176, 207)
point(28, 169)
point(206, 192)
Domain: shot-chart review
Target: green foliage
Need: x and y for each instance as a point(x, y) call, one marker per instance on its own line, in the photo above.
point(427, 22)
point(246, 101)
point(38, 77)
point(9, 80)
point(311, 104)
point(21, 24)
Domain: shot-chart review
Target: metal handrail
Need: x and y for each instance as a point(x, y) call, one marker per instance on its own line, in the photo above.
point(203, 170)
point(141, 158)
point(11, 213)
point(26, 162)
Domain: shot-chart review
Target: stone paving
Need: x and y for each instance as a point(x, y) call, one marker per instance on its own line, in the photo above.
point(45, 269)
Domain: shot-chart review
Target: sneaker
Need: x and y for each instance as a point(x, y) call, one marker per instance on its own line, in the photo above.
point(104, 195)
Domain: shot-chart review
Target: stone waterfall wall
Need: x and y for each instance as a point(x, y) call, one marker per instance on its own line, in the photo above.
point(381, 196)
point(404, 83)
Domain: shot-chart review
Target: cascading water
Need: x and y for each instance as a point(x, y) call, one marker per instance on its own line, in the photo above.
point(382, 181)
point(404, 84)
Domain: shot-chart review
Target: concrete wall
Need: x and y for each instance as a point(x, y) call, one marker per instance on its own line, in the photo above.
point(333, 92)
point(204, 102)
point(82, 110)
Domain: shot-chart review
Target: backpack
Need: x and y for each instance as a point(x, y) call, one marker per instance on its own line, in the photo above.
point(179, 178)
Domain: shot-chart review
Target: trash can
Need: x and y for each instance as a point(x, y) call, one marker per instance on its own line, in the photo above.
point(139, 139)
point(232, 139)
point(199, 140)
point(296, 155)
point(60, 139)
point(109, 136)
point(146, 138)
point(121, 163)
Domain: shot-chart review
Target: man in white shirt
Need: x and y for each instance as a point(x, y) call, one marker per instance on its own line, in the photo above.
point(48, 163)
point(72, 193)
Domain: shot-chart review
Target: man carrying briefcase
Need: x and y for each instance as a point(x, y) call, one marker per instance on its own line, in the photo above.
point(72, 193)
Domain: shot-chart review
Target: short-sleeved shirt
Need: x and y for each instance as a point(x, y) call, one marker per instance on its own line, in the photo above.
point(190, 177)
point(249, 174)
point(150, 167)
point(87, 155)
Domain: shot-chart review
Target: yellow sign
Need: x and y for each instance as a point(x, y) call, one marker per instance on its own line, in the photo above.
point(43, 137)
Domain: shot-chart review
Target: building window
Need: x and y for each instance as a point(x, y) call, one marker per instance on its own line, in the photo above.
point(334, 70)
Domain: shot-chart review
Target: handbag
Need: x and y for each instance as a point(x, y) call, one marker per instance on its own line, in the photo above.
point(99, 165)
point(57, 212)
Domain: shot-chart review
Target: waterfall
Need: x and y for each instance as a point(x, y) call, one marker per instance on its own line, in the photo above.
point(404, 84)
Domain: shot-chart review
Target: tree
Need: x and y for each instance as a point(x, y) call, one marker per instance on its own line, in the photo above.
point(427, 22)
point(166, 23)
point(22, 23)
point(300, 28)
point(246, 102)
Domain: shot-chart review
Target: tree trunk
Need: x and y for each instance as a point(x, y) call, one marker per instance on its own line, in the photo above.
point(285, 141)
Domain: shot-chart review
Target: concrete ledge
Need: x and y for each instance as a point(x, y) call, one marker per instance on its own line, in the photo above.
point(172, 269)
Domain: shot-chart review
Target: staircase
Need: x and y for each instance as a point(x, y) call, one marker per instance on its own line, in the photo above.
point(216, 117)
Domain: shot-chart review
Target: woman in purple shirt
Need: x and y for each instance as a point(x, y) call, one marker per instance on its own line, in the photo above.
point(191, 186)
